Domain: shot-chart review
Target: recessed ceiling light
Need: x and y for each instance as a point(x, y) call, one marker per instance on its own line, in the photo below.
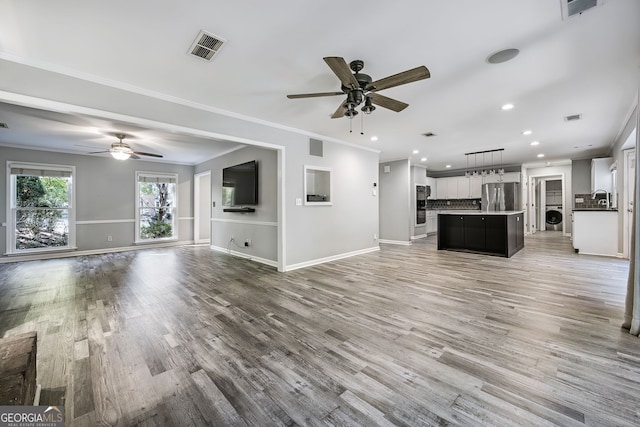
point(540, 155)
point(527, 132)
point(447, 166)
point(502, 56)
point(507, 107)
point(416, 151)
point(374, 138)
point(535, 142)
point(424, 159)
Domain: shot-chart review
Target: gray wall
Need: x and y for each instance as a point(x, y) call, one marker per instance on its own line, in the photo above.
point(580, 178)
point(105, 192)
point(259, 226)
point(395, 202)
point(311, 234)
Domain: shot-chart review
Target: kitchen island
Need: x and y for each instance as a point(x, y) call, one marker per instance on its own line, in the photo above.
point(493, 233)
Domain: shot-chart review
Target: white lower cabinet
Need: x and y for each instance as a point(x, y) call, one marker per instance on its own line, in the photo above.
point(432, 222)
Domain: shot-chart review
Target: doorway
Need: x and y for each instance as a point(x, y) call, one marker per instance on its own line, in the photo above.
point(546, 204)
point(202, 207)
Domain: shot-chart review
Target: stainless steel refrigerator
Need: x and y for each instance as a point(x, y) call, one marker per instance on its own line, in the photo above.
point(501, 196)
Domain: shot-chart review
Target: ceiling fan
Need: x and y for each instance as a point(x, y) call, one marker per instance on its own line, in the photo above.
point(360, 88)
point(122, 151)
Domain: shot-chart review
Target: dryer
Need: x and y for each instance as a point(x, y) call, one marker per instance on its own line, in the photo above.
point(553, 217)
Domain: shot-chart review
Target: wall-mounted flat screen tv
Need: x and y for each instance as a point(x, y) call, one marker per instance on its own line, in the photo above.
point(240, 184)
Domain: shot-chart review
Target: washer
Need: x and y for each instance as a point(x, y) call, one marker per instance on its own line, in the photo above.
point(553, 218)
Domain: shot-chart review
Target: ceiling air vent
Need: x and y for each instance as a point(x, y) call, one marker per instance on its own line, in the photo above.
point(573, 117)
point(429, 134)
point(4, 126)
point(576, 7)
point(206, 45)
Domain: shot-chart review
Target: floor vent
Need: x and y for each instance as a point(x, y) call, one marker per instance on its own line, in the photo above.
point(573, 117)
point(206, 45)
point(576, 7)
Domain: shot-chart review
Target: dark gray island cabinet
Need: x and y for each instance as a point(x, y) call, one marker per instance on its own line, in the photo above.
point(493, 233)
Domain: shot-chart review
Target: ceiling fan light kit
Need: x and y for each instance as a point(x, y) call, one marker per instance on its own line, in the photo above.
point(122, 151)
point(360, 87)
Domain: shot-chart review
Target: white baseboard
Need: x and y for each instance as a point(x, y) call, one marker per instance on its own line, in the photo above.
point(419, 236)
point(54, 255)
point(268, 262)
point(330, 258)
point(395, 242)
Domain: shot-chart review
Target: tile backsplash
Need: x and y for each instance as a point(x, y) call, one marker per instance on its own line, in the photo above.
point(456, 204)
point(584, 201)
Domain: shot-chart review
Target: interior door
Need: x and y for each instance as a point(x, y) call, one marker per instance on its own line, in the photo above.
point(531, 206)
point(542, 204)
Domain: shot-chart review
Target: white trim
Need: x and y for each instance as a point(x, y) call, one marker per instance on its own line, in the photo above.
point(164, 97)
point(281, 214)
point(52, 255)
point(240, 221)
point(268, 262)
point(185, 218)
point(330, 258)
point(419, 236)
point(395, 242)
point(105, 221)
point(196, 206)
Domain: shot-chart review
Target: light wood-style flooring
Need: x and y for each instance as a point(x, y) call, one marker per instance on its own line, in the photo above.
point(406, 336)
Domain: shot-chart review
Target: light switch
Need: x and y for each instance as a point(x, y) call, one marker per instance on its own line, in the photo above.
point(374, 192)
point(298, 202)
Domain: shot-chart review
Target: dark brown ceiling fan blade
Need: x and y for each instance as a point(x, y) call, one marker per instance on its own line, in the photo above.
point(141, 153)
point(339, 112)
point(340, 68)
point(314, 95)
point(415, 74)
point(386, 102)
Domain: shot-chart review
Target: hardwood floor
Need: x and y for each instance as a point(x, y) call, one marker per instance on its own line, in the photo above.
point(405, 336)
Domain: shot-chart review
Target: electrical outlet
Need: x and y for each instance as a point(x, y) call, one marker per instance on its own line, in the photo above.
point(231, 238)
point(247, 242)
point(375, 236)
point(109, 238)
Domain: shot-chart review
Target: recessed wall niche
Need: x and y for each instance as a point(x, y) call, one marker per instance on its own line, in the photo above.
point(317, 186)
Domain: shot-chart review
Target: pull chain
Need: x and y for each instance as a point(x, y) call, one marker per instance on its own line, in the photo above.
point(362, 124)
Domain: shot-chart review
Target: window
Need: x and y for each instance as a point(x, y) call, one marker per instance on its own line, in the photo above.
point(156, 199)
point(40, 208)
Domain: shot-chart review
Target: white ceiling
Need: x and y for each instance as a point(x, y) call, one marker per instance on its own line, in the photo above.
point(587, 64)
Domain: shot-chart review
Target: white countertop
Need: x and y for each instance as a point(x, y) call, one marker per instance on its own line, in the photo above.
point(478, 212)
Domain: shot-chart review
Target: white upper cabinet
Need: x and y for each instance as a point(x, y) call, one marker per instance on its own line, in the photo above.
point(601, 176)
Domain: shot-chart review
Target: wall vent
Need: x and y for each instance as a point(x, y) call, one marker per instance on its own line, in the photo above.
point(315, 147)
point(429, 134)
point(4, 126)
point(576, 7)
point(573, 117)
point(206, 45)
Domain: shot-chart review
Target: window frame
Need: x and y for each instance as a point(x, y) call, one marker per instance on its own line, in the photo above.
point(174, 209)
point(12, 208)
